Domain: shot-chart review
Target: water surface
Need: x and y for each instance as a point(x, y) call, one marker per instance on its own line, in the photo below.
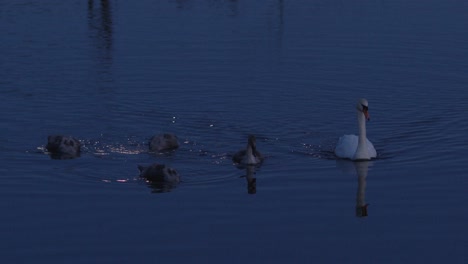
point(113, 74)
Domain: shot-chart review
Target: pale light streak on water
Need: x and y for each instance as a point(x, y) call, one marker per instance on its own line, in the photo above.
point(114, 73)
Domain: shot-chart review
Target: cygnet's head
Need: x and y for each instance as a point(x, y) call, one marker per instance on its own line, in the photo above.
point(252, 142)
point(363, 106)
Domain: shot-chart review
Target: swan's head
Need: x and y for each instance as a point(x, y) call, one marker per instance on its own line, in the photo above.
point(363, 106)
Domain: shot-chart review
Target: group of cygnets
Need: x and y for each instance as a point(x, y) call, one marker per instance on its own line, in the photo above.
point(349, 147)
point(67, 147)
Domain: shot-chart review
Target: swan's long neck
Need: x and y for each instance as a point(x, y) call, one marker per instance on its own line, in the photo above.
point(249, 154)
point(362, 152)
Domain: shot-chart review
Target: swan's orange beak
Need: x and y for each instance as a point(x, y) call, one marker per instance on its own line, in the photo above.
point(366, 114)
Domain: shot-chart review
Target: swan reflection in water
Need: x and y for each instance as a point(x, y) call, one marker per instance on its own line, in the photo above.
point(251, 179)
point(361, 205)
point(250, 171)
point(361, 168)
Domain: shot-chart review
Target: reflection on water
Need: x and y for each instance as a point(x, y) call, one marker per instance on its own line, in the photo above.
point(101, 147)
point(361, 205)
point(100, 24)
point(361, 169)
point(251, 179)
point(161, 187)
point(232, 5)
point(62, 156)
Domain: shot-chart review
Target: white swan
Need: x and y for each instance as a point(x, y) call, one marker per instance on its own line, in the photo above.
point(249, 156)
point(357, 147)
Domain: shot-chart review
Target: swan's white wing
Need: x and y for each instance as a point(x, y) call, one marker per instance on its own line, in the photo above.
point(371, 149)
point(346, 146)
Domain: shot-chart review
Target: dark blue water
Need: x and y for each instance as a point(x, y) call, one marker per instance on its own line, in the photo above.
point(114, 73)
